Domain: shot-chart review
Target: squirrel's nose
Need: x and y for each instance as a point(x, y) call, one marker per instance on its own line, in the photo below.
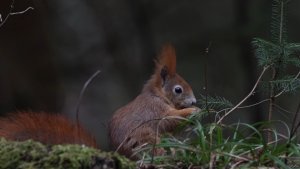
point(194, 101)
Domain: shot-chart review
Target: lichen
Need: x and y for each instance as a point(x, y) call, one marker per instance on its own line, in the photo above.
point(34, 155)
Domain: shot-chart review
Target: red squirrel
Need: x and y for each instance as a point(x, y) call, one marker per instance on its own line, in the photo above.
point(165, 94)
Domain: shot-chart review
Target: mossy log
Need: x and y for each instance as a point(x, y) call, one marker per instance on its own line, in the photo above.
point(34, 155)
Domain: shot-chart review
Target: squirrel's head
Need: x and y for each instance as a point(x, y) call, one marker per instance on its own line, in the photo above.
point(172, 86)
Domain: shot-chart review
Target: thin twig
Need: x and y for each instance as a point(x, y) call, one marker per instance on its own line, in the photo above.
point(10, 13)
point(205, 79)
point(252, 105)
point(282, 109)
point(82, 92)
point(205, 75)
point(22, 12)
point(244, 107)
point(250, 94)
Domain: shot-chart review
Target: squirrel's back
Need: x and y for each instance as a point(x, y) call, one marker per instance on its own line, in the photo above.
point(44, 127)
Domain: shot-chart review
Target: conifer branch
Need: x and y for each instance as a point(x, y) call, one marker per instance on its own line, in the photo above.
point(282, 91)
point(281, 22)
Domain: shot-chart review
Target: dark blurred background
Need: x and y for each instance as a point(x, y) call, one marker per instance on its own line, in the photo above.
point(48, 53)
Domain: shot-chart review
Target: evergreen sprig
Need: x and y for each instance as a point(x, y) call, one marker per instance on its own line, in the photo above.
point(214, 102)
point(277, 55)
point(278, 23)
point(277, 52)
point(266, 52)
point(286, 84)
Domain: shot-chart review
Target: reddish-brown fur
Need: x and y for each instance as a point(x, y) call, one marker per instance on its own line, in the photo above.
point(44, 127)
point(134, 124)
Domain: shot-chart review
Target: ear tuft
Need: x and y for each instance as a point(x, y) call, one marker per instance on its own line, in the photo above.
point(163, 74)
point(167, 59)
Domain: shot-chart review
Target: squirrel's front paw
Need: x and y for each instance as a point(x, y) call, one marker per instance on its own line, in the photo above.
point(189, 111)
point(193, 109)
point(184, 112)
point(196, 109)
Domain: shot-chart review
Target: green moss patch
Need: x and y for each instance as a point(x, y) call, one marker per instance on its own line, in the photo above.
point(34, 155)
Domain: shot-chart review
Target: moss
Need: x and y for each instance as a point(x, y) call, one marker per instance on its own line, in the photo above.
point(33, 155)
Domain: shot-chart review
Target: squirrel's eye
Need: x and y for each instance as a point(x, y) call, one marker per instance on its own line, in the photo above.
point(177, 89)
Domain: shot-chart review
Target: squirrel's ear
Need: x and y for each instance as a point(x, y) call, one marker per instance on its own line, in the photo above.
point(167, 61)
point(163, 74)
